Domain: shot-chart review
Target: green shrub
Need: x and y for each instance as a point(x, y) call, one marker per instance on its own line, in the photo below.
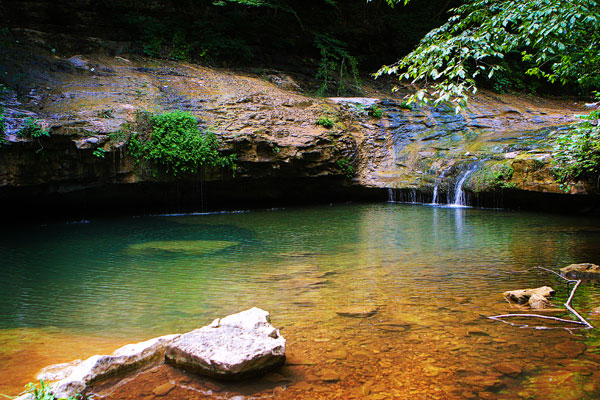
point(99, 152)
point(2, 124)
point(492, 177)
point(577, 155)
point(375, 111)
point(43, 392)
point(406, 105)
point(336, 63)
point(33, 129)
point(106, 113)
point(346, 166)
point(174, 143)
point(325, 122)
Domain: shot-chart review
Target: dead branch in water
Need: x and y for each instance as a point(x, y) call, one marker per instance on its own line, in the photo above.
point(584, 324)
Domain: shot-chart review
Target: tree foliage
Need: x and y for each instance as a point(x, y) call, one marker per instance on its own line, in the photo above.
point(557, 40)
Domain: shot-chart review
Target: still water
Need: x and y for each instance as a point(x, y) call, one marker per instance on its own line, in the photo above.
point(73, 290)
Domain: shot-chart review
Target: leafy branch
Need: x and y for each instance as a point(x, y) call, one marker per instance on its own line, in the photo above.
point(556, 39)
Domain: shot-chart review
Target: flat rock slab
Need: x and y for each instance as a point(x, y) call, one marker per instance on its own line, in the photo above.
point(75, 377)
point(581, 271)
point(357, 311)
point(234, 347)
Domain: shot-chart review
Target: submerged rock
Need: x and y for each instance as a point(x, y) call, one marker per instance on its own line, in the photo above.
point(357, 311)
point(536, 298)
point(581, 271)
point(234, 347)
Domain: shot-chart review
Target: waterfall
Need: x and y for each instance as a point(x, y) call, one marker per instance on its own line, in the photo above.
point(437, 184)
point(459, 193)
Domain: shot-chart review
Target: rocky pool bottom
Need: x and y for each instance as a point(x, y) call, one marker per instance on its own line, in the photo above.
point(431, 274)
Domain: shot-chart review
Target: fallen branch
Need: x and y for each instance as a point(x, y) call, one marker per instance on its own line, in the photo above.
point(582, 321)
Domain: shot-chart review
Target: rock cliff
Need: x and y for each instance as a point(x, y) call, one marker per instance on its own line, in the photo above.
point(88, 101)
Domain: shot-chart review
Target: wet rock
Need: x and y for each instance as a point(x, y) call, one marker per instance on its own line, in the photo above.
point(570, 349)
point(329, 375)
point(357, 311)
point(339, 354)
point(237, 346)
point(78, 62)
point(129, 357)
point(581, 271)
point(163, 389)
point(536, 298)
point(481, 381)
point(274, 377)
point(538, 302)
point(509, 369)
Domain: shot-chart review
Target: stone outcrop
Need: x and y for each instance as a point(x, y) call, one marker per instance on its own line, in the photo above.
point(536, 298)
point(237, 346)
point(88, 102)
point(75, 377)
point(581, 271)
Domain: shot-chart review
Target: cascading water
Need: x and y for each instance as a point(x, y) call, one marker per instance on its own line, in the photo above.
point(437, 184)
point(459, 193)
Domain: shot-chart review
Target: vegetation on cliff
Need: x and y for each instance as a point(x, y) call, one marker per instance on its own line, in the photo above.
point(173, 143)
point(577, 152)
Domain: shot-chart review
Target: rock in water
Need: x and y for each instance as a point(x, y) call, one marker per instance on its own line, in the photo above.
point(234, 347)
point(581, 271)
point(357, 311)
point(538, 302)
point(523, 296)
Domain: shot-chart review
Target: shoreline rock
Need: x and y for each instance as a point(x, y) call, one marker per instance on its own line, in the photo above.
point(237, 346)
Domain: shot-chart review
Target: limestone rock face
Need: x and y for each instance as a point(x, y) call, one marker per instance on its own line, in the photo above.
point(536, 298)
point(234, 347)
point(581, 271)
point(78, 377)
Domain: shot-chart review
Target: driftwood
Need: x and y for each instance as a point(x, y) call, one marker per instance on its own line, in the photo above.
point(582, 323)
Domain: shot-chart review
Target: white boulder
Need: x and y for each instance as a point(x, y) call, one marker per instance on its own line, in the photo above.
point(237, 346)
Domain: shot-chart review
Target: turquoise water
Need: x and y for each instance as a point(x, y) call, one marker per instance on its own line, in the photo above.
point(138, 277)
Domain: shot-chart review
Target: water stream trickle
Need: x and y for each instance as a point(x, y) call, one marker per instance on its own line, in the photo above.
point(459, 193)
point(391, 195)
point(437, 184)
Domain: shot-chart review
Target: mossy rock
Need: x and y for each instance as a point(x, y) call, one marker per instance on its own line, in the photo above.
point(188, 247)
